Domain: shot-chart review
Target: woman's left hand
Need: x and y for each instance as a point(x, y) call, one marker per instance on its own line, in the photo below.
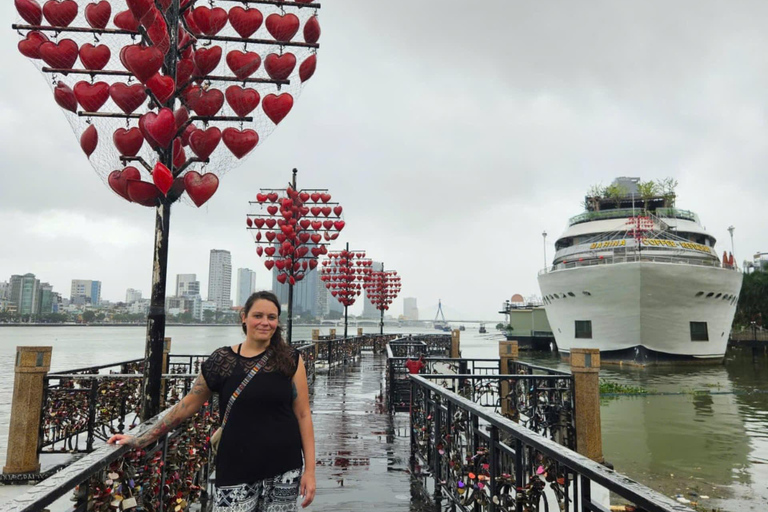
point(307, 488)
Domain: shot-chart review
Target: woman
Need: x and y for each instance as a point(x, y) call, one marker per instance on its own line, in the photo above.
point(259, 460)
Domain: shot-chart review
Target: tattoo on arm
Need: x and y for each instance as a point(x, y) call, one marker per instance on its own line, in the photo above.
point(198, 388)
point(295, 392)
point(169, 422)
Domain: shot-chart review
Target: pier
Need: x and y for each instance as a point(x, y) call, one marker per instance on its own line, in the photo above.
point(467, 434)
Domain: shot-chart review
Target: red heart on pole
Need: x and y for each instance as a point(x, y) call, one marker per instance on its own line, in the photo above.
point(282, 28)
point(326, 210)
point(259, 249)
point(184, 70)
point(161, 86)
point(277, 107)
point(97, 14)
point(259, 222)
point(304, 223)
point(88, 140)
point(243, 64)
point(30, 11)
point(272, 210)
point(269, 263)
point(270, 236)
point(304, 197)
point(139, 7)
point(206, 59)
point(339, 225)
point(142, 61)
point(94, 57)
point(282, 278)
point(127, 97)
point(270, 223)
point(117, 181)
point(179, 155)
point(245, 21)
point(143, 193)
point(316, 237)
point(200, 188)
point(180, 117)
point(162, 178)
point(60, 14)
point(91, 96)
point(270, 251)
point(242, 101)
point(279, 67)
point(337, 210)
point(128, 142)
point(204, 142)
point(157, 30)
point(65, 97)
point(280, 264)
point(209, 21)
point(312, 30)
point(30, 45)
point(205, 103)
point(126, 21)
point(62, 55)
point(240, 142)
point(261, 197)
point(161, 126)
point(312, 264)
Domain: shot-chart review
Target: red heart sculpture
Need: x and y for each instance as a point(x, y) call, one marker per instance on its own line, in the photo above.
point(184, 70)
point(143, 193)
point(206, 59)
point(243, 64)
point(304, 223)
point(337, 210)
point(62, 55)
point(315, 196)
point(30, 11)
point(127, 97)
point(204, 142)
point(339, 225)
point(126, 21)
point(88, 140)
point(240, 142)
point(179, 155)
point(279, 67)
point(60, 14)
point(272, 210)
point(312, 264)
point(200, 188)
point(97, 14)
point(91, 96)
point(280, 264)
point(277, 107)
point(282, 28)
point(307, 68)
point(269, 251)
point(142, 61)
point(187, 132)
point(161, 86)
point(269, 263)
point(94, 57)
point(30, 45)
point(139, 7)
point(327, 224)
point(326, 210)
point(242, 101)
point(161, 126)
point(128, 142)
point(118, 180)
point(157, 30)
point(316, 224)
point(316, 238)
point(180, 117)
point(259, 249)
point(65, 97)
point(325, 198)
point(259, 222)
point(282, 278)
point(312, 30)
point(204, 102)
point(162, 177)
point(209, 21)
point(245, 21)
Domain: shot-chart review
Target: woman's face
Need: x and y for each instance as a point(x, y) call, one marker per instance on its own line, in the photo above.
point(261, 320)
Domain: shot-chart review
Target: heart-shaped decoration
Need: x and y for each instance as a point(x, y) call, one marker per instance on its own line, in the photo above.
point(307, 68)
point(143, 61)
point(337, 210)
point(143, 193)
point(30, 45)
point(259, 249)
point(282, 278)
point(60, 14)
point(65, 97)
point(127, 97)
point(242, 101)
point(243, 64)
point(204, 102)
point(240, 142)
point(245, 21)
point(94, 57)
point(206, 59)
point(258, 222)
point(161, 126)
point(316, 238)
point(30, 11)
point(97, 14)
point(269, 251)
point(89, 140)
point(280, 67)
point(270, 223)
point(272, 210)
point(91, 96)
point(126, 21)
point(128, 141)
point(161, 86)
point(62, 55)
point(339, 225)
point(118, 180)
point(277, 107)
point(312, 30)
point(209, 21)
point(139, 8)
point(284, 27)
point(200, 188)
point(204, 142)
point(184, 69)
point(162, 178)
point(269, 263)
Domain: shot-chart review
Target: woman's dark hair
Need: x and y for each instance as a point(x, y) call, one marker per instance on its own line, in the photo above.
point(281, 358)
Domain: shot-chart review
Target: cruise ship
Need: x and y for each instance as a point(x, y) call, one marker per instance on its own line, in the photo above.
point(640, 280)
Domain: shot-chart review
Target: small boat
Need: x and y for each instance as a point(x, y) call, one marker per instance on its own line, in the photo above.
point(482, 329)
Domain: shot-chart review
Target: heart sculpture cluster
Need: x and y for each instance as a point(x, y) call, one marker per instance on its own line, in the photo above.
point(381, 288)
point(165, 96)
point(292, 229)
point(343, 274)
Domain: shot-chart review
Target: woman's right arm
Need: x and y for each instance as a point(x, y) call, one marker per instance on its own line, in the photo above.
point(189, 405)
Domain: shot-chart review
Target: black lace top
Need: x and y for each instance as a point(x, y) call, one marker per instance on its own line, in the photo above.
point(261, 438)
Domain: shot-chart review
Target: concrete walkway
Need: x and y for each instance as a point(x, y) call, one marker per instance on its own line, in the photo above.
point(362, 451)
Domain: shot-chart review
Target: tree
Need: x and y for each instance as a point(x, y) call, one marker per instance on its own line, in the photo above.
point(647, 190)
point(88, 316)
point(753, 300)
point(208, 316)
point(668, 186)
point(616, 193)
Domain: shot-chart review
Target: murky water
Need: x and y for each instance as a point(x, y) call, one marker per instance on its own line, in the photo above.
point(704, 436)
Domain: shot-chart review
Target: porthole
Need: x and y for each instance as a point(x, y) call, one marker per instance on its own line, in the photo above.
point(571, 294)
point(700, 294)
point(718, 295)
point(586, 293)
point(710, 294)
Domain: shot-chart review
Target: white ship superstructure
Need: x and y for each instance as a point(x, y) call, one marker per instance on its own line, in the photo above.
point(641, 281)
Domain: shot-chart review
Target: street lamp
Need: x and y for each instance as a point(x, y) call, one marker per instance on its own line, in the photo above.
point(730, 230)
point(544, 236)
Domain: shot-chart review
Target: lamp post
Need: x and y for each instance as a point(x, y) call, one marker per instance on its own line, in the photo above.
point(544, 236)
point(730, 230)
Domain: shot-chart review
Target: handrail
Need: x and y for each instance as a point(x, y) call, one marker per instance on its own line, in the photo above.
point(632, 258)
point(618, 213)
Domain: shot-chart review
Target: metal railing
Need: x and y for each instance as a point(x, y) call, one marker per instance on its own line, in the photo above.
point(620, 213)
point(631, 258)
point(481, 461)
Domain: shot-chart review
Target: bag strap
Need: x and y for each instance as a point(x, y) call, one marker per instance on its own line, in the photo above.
point(262, 362)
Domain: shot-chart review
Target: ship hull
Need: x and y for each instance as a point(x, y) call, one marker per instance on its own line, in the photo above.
point(641, 312)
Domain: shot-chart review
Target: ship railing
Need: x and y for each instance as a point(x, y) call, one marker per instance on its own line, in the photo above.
point(620, 213)
point(480, 460)
point(633, 258)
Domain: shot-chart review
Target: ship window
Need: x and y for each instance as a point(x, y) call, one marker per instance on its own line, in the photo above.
point(700, 294)
point(583, 329)
point(556, 296)
point(718, 295)
point(710, 294)
point(699, 331)
point(571, 294)
point(586, 293)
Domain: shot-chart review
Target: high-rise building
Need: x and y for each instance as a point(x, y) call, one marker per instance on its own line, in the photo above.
point(84, 291)
point(25, 294)
point(369, 310)
point(246, 285)
point(4, 290)
point(410, 310)
point(187, 285)
point(47, 298)
point(132, 296)
point(220, 279)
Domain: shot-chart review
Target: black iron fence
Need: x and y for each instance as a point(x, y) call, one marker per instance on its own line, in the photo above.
point(478, 460)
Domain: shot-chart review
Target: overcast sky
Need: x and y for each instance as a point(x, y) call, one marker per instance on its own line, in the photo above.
point(453, 133)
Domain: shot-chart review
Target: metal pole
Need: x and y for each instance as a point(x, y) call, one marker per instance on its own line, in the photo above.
point(544, 235)
point(346, 289)
point(381, 298)
point(290, 286)
point(733, 251)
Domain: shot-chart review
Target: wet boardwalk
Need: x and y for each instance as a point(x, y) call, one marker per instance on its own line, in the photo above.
point(362, 451)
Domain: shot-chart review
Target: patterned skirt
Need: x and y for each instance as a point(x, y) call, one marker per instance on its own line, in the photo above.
point(276, 494)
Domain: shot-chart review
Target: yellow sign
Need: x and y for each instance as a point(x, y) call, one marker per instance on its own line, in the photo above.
point(654, 242)
point(608, 244)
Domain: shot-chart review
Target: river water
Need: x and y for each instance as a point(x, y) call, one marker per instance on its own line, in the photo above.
point(703, 435)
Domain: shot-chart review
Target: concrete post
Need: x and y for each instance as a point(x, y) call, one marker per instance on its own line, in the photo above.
point(315, 334)
point(332, 333)
point(585, 366)
point(455, 344)
point(359, 331)
point(32, 364)
point(508, 351)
